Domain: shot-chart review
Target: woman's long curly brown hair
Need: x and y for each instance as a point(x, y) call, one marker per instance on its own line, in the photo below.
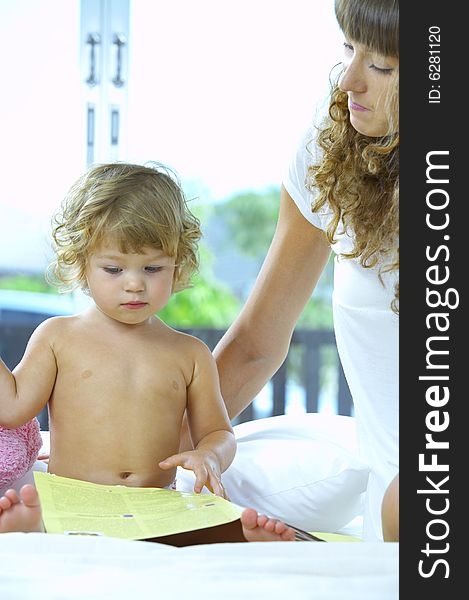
point(358, 176)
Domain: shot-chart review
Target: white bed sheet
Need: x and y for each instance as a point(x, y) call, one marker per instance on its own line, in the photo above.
point(55, 567)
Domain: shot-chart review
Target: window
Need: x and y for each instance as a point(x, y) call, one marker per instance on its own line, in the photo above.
point(220, 91)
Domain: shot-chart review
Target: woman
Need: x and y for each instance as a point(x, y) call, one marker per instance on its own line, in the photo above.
point(341, 192)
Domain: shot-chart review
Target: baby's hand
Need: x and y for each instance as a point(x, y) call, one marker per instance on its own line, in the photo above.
point(205, 466)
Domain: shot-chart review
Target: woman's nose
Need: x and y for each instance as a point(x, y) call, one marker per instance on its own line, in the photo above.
point(352, 79)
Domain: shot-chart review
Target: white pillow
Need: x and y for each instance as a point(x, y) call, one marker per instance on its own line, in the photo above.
point(303, 469)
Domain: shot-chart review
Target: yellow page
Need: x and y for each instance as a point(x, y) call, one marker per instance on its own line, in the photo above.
point(78, 507)
point(336, 537)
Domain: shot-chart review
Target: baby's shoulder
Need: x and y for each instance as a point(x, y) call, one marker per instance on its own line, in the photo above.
point(188, 343)
point(56, 326)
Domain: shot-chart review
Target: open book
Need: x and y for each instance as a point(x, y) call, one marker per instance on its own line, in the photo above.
point(76, 507)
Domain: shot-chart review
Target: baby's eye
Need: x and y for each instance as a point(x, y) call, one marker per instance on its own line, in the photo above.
point(112, 270)
point(153, 269)
point(348, 49)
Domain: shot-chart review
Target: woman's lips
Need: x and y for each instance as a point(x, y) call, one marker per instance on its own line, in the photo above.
point(357, 107)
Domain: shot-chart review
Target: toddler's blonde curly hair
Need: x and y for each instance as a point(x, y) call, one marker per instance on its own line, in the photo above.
point(134, 205)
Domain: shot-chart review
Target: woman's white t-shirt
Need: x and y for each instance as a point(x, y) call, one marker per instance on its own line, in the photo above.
point(367, 335)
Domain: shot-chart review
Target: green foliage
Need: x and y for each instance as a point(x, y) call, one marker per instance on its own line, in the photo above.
point(26, 283)
point(317, 314)
point(208, 303)
point(250, 218)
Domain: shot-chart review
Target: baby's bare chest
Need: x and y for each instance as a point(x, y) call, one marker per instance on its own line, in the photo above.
point(144, 370)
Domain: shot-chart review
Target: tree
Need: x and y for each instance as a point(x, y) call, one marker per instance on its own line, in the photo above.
point(250, 219)
point(208, 303)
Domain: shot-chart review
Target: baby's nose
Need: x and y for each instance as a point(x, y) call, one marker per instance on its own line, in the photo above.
point(134, 283)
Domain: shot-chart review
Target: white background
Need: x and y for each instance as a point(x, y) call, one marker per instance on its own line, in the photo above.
point(221, 91)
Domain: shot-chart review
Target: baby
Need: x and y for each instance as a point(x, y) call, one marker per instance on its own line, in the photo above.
point(117, 380)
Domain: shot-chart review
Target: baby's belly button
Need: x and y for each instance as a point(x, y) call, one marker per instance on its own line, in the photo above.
point(143, 479)
point(134, 478)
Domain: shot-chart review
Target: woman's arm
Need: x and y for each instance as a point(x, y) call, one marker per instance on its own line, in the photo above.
point(25, 392)
point(257, 342)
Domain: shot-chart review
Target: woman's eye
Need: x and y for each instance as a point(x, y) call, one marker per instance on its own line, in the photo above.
point(384, 71)
point(112, 270)
point(153, 269)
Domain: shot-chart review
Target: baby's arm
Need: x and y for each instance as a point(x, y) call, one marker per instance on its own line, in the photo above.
point(25, 391)
point(210, 429)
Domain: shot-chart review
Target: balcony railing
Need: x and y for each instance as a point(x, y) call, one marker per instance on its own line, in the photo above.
point(312, 354)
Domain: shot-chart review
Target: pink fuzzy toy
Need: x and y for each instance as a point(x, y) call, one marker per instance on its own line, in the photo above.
point(19, 448)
